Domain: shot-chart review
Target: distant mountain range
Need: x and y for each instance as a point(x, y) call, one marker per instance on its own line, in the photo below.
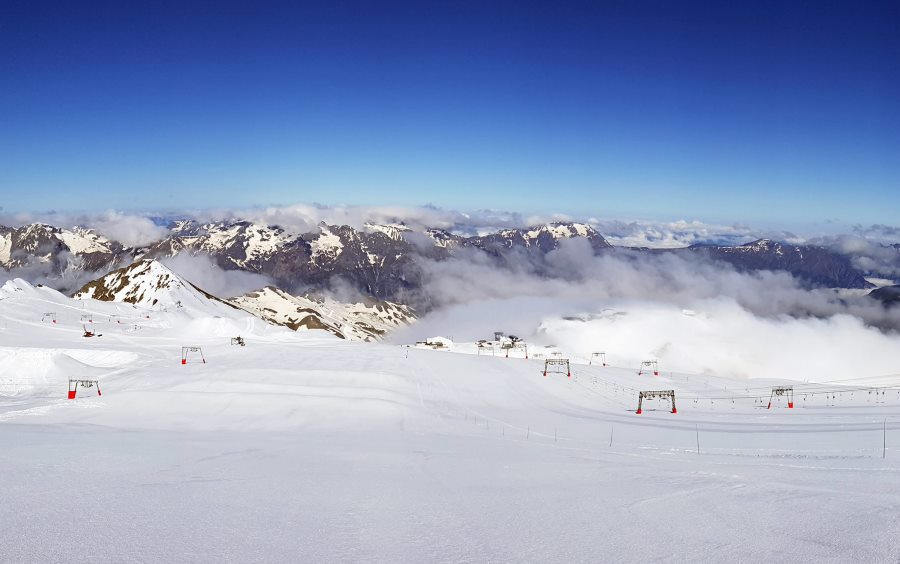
point(380, 261)
point(813, 265)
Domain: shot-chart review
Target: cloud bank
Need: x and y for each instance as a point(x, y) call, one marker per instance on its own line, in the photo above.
point(720, 337)
point(204, 273)
point(870, 255)
point(692, 314)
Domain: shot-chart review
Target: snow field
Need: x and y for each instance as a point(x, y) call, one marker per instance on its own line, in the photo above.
point(306, 448)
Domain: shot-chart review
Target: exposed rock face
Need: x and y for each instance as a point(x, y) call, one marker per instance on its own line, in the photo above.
point(373, 262)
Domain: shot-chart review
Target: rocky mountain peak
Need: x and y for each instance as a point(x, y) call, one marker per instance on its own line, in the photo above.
point(145, 282)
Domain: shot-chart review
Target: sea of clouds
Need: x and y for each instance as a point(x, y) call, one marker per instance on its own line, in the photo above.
point(690, 313)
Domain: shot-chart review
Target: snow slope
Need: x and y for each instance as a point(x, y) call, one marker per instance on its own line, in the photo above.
point(302, 447)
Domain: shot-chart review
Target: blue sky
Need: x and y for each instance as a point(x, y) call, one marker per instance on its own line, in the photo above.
point(749, 111)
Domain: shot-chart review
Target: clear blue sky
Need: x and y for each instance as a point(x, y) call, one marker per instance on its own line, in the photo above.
point(721, 110)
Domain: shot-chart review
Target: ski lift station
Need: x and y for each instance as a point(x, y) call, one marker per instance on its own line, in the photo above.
point(437, 342)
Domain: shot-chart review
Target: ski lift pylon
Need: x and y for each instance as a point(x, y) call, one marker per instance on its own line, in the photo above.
point(655, 394)
point(599, 355)
point(785, 391)
point(560, 362)
point(75, 382)
point(186, 353)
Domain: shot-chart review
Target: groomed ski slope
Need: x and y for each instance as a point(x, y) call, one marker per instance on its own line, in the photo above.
point(303, 448)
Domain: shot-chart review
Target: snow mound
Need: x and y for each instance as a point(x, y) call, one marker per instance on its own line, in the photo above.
point(15, 286)
point(25, 371)
point(18, 288)
point(210, 327)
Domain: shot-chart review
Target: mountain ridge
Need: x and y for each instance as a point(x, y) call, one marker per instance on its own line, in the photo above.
point(378, 260)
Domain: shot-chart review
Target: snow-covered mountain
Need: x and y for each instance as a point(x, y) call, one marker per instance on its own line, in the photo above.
point(368, 320)
point(374, 260)
point(378, 260)
point(236, 244)
point(56, 252)
point(149, 283)
point(543, 238)
point(392, 230)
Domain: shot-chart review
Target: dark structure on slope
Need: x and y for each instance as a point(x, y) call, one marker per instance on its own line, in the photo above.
point(889, 295)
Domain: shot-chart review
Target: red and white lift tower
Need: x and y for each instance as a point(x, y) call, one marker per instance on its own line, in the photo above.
point(782, 391)
point(557, 364)
point(655, 394)
point(191, 351)
point(75, 382)
point(515, 346)
point(601, 356)
point(485, 348)
point(649, 365)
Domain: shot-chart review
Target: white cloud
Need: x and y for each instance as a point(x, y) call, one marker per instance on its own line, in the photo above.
point(201, 271)
point(871, 255)
point(682, 233)
point(720, 337)
point(878, 232)
point(128, 229)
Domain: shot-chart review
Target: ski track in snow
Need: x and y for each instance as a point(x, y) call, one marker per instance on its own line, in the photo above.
point(298, 448)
